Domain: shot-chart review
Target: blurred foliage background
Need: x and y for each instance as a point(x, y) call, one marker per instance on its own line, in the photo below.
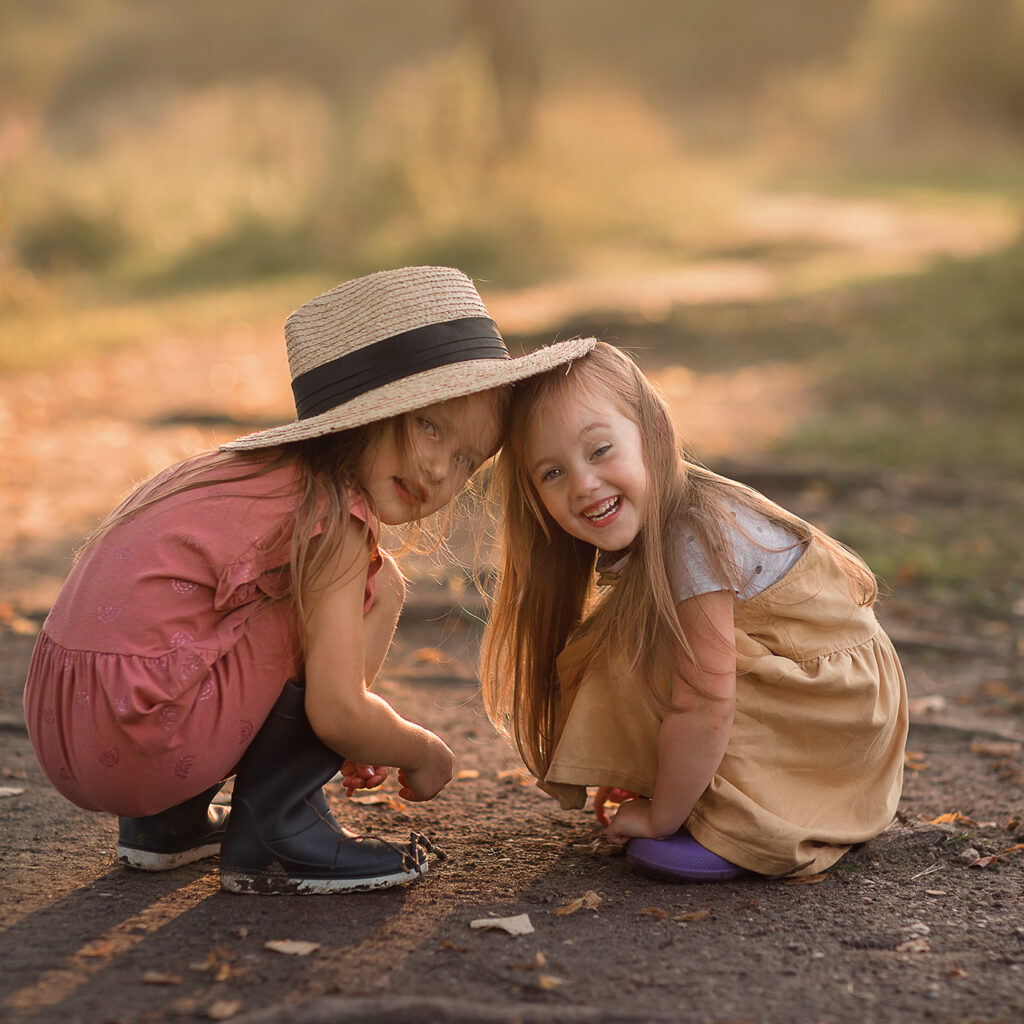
point(166, 166)
point(200, 143)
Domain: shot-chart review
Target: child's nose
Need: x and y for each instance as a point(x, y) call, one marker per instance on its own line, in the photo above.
point(436, 467)
point(583, 483)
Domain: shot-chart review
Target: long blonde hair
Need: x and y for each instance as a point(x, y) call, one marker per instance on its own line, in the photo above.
point(545, 589)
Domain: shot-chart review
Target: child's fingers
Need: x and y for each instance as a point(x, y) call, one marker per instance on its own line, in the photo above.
point(601, 797)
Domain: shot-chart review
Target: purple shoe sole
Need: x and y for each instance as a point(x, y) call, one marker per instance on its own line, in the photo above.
point(681, 858)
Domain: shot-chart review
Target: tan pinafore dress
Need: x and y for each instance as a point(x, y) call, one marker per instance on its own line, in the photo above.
point(815, 759)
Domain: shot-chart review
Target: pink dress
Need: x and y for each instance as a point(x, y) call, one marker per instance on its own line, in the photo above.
point(167, 647)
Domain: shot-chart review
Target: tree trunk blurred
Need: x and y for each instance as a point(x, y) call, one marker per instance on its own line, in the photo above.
point(504, 31)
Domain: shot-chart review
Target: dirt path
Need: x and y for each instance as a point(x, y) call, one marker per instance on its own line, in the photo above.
point(912, 926)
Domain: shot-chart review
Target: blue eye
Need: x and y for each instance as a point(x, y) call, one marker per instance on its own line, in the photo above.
point(602, 450)
point(551, 474)
point(427, 426)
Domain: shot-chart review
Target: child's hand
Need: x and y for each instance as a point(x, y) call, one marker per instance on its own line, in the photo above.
point(632, 821)
point(361, 776)
point(609, 795)
point(425, 780)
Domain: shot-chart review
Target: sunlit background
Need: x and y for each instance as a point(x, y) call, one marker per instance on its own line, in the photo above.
point(803, 215)
point(162, 146)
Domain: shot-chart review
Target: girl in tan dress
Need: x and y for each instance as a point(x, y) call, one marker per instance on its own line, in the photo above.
point(705, 658)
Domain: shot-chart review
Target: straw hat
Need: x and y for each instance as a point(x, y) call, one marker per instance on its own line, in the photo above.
point(392, 342)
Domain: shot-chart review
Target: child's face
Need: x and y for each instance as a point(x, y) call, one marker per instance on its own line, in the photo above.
point(448, 443)
point(585, 459)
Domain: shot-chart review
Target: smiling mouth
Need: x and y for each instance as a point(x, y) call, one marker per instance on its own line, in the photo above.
point(603, 511)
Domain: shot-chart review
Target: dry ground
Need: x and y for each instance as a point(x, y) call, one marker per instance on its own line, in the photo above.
point(909, 927)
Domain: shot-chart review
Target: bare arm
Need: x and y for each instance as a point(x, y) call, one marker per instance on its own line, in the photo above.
point(692, 742)
point(345, 714)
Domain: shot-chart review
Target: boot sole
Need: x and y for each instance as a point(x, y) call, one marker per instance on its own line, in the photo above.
point(277, 883)
point(150, 860)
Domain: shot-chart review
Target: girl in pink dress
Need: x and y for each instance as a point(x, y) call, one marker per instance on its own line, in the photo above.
point(231, 615)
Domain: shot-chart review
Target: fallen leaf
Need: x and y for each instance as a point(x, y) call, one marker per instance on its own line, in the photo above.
point(11, 790)
point(549, 981)
point(950, 817)
point(589, 901)
point(291, 947)
point(1011, 849)
point(223, 1009)
point(984, 862)
point(986, 748)
point(467, 773)
point(518, 925)
point(956, 972)
point(372, 799)
point(540, 960)
point(913, 946)
point(936, 892)
point(448, 944)
point(697, 915)
point(655, 912)
point(601, 847)
point(160, 978)
point(806, 879)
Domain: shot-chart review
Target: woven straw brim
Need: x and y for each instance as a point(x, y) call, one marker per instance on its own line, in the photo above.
point(418, 391)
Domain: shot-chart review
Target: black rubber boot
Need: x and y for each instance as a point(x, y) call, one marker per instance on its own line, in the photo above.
point(180, 835)
point(282, 836)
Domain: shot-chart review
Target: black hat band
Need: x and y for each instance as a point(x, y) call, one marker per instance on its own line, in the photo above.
point(456, 341)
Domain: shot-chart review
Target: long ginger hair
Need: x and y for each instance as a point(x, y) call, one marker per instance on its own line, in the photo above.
point(545, 588)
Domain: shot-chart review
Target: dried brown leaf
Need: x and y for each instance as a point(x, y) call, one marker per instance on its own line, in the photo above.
point(571, 907)
point(540, 960)
point(984, 862)
point(806, 879)
point(956, 972)
point(549, 981)
point(467, 773)
point(448, 944)
point(382, 799)
point(950, 817)
point(517, 925)
point(1016, 848)
point(696, 915)
point(655, 912)
point(291, 947)
point(914, 946)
